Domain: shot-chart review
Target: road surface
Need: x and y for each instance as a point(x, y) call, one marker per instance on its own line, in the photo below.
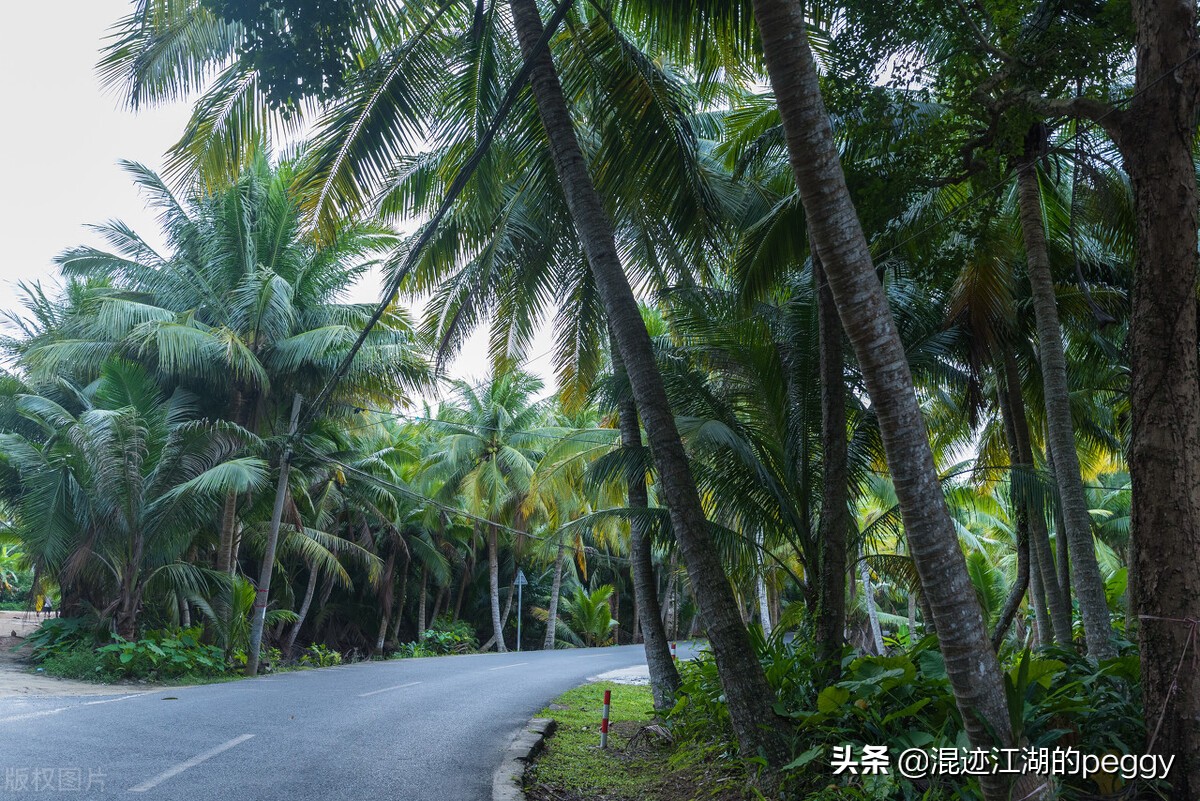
point(412, 730)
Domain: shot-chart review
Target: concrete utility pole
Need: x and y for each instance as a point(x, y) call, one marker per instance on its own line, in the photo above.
point(264, 581)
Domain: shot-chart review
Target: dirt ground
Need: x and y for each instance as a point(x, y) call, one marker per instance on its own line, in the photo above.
point(16, 677)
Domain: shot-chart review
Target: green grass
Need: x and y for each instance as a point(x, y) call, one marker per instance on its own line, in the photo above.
point(13, 606)
point(572, 766)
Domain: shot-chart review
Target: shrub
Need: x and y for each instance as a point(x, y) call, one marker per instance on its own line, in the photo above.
point(163, 655)
point(58, 635)
point(448, 636)
point(317, 655)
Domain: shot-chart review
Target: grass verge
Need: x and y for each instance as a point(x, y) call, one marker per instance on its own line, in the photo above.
point(642, 762)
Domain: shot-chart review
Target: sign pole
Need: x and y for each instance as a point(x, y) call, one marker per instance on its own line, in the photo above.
point(521, 581)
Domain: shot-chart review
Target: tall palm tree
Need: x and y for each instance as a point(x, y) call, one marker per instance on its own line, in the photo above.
point(489, 446)
point(971, 664)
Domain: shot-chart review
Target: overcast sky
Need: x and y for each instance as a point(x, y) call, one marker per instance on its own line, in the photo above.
point(63, 137)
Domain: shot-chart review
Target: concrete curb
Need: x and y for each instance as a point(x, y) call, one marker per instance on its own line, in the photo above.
point(526, 744)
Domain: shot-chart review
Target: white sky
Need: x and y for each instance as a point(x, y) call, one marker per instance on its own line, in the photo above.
point(64, 136)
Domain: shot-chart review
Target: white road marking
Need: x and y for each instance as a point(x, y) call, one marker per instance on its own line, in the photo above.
point(514, 664)
point(113, 700)
point(592, 656)
point(389, 689)
point(29, 715)
point(150, 784)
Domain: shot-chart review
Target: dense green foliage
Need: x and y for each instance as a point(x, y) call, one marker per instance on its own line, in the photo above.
point(143, 419)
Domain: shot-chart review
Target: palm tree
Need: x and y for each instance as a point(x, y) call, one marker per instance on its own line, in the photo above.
point(113, 494)
point(1089, 586)
point(247, 302)
point(489, 449)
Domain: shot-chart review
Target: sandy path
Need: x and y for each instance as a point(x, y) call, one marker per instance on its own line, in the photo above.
point(15, 677)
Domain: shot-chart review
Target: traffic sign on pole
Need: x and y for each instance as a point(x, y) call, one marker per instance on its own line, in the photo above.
point(520, 581)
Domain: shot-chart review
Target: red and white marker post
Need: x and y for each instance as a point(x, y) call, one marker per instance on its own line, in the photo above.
point(604, 721)
point(674, 655)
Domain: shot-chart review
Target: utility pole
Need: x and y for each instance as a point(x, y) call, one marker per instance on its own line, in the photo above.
point(264, 581)
point(520, 581)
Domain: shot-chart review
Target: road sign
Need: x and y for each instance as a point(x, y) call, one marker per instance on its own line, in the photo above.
point(521, 580)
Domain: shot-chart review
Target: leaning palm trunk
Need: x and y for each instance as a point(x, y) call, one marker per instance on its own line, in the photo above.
point(872, 612)
point(304, 607)
point(971, 664)
point(1089, 586)
point(664, 677)
point(750, 698)
point(552, 608)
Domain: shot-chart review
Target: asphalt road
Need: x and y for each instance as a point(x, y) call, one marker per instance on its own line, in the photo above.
point(412, 730)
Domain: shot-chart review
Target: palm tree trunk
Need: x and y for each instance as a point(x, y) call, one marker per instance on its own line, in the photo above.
point(764, 602)
point(1089, 586)
point(750, 698)
point(1057, 600)
point(385, 598)
point(493, 547)
point(421, 602)
point(468, 569)
point(971, 664)
point(868, 591)
point(1021, 521)
point(552, 609)
point(1017, 593)
point(309, 590)
point(664, 677)
point(225, 543)
point(835, 479)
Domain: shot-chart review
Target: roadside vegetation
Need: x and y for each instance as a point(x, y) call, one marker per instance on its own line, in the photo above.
point(875, 353)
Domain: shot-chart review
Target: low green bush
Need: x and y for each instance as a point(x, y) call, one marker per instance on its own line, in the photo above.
point(318, 655)
point(164, 655)
point(1057, 699)
point(59, 635)
point(448, 636)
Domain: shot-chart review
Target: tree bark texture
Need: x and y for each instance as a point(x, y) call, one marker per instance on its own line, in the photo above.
point(1156, 139)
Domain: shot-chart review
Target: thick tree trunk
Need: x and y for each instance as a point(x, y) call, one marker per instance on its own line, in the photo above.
point(971, 663)
point(493, 547)
point(759, 730)
point(664, 677)
point(835, 478)
point(309, 590)
point(1157, 139)
point(552, 607)
point(1089, 585)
